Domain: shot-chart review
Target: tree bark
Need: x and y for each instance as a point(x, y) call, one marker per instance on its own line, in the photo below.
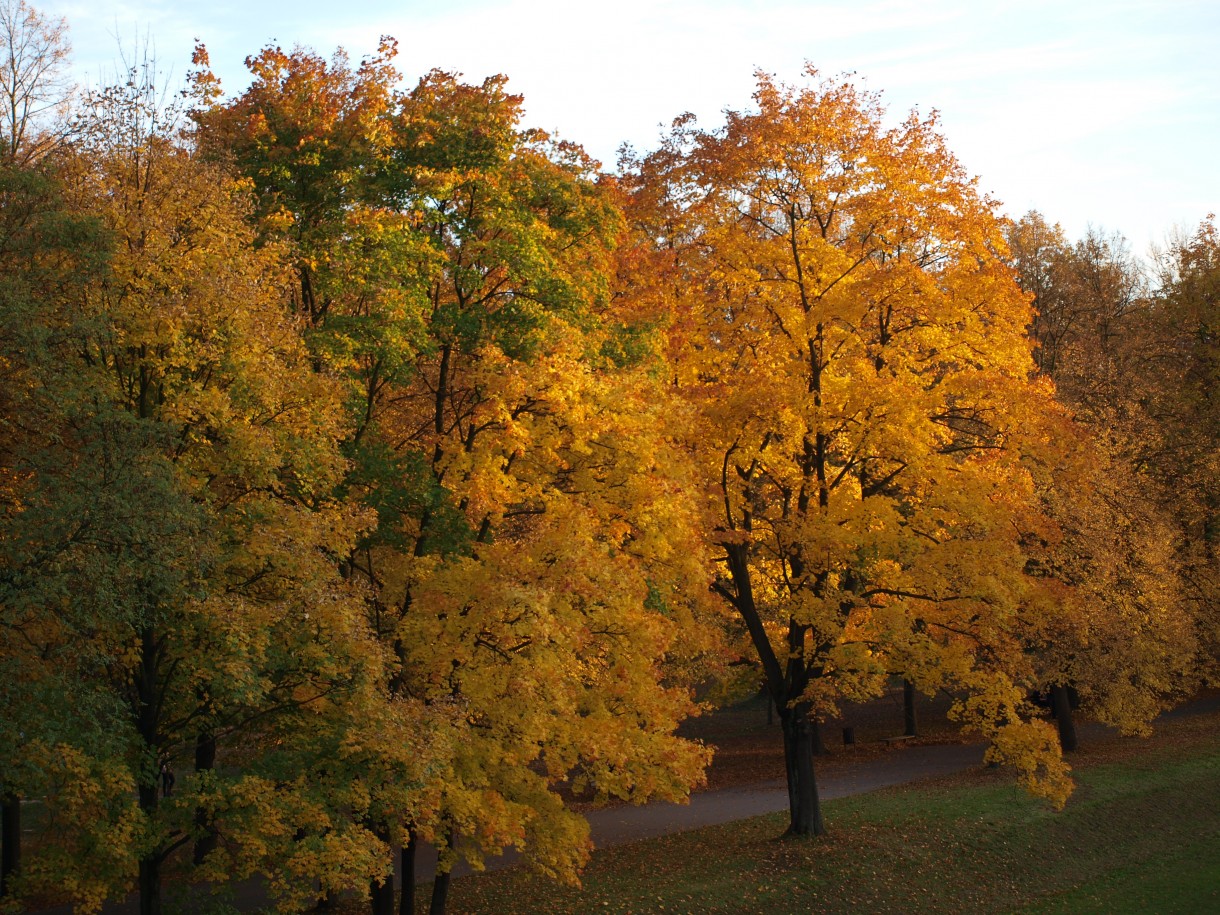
point(150, 864)
point(1061, 705)
point(805, 816)
point(805, 813)
point(790, 771)
point(440, 891)
point(815, 735)
point(205, 761)
point(406, 903)
point(381, 892)
point(440, 887)
point(909, 719)
point(381, 896)
point(10, 842)
point(146, 713)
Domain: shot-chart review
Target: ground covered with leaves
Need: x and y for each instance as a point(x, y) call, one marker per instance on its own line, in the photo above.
point(1141, 834)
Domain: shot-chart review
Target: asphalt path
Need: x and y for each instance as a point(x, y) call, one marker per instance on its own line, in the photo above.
point(625, 823)
point(618, 825)
point(898, 766)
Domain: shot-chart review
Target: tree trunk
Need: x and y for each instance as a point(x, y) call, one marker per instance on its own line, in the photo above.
point(406, 903)
point(205, 761)
point(150, 886)
point(150, 864)
point(909, 720)
point(1061, 705)
point(149, 693)
point(790, 770)
point(815, 735)
point(381, 896)
point(146, 714)
point(804, 815)
point(440, 890)
point(381, 892)
point(804, 810)
point(10, 842)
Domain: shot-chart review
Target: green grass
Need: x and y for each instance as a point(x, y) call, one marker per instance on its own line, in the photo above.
point(1141, 834)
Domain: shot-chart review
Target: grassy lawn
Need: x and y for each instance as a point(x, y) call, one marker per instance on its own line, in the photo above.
point(1141, 834)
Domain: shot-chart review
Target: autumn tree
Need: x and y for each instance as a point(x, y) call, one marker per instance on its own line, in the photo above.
point(187, 496)
point(1039, 254)
point(843, 319)
point(34, 86)
point(310, 134)
point(1123, 642)
point(535, 424)
point(1184, 320)
point(529, 544)
point(1118, 637)
point(1088, 301)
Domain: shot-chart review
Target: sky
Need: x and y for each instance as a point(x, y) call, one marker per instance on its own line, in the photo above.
point(1102, 114)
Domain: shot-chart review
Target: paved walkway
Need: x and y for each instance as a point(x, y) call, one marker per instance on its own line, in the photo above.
point(624, 823)
point(616, 825)
point(621, 824)
point(898, 766)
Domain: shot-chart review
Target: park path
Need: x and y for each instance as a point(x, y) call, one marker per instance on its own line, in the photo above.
point(898, 766)
point(625, 823)
point(617, 825)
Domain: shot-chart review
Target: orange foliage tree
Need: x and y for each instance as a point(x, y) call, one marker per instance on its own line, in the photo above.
point(843, 320)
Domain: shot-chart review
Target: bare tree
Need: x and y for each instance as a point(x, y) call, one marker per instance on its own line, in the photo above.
point(34, 85)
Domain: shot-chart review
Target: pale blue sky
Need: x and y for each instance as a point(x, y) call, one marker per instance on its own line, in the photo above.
point(1093, 112)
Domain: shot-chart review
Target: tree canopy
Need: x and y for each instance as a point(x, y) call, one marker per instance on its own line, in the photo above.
point(376, 469)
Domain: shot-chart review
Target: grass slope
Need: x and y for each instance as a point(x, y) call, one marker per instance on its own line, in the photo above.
point(1141, 834)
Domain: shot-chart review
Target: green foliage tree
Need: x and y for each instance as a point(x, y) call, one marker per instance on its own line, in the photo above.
point(184, 494)
point(53, 714)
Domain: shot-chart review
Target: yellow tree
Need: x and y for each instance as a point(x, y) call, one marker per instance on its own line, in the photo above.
point(843, 320)
point(534, 425)
point(526, 571)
